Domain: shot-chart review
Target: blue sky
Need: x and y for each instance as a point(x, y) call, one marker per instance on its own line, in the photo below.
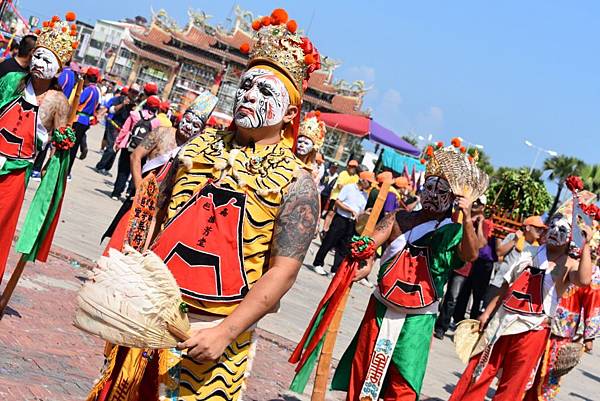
point(494, 73)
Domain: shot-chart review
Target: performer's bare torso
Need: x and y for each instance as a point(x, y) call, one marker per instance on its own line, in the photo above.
point(54, 109)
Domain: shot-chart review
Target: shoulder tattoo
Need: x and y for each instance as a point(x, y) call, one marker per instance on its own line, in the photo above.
point(297, 221)
point(151, 140)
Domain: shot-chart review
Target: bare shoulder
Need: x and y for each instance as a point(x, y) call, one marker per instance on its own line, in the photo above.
point(297, 220)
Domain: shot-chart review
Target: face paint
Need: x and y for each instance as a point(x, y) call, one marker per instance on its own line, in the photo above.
point(304, 146)
point(261, 100)
point(190, 125)
point(44, 64)
point(436, 195)
point(559, 231)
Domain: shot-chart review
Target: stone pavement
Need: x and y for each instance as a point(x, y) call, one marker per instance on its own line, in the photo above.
point(64, 366)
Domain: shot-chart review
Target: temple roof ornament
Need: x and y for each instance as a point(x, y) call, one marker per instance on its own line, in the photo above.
point(164, 21)
point(198, 18)
point(329, 65)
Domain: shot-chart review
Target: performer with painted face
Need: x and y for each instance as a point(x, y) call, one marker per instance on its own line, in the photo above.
point(32, 105)
point(578, 312)
point(245, 207)
point(159, 149)
point(388, 356)
point(515, 337)
point(310, 139)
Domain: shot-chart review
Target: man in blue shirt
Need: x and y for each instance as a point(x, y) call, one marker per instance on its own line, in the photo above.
point(88, 102)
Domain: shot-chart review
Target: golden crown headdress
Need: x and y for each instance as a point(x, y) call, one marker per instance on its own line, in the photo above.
point(460, 170)
point(58, 36)
point(277, 43)
point(313, 128)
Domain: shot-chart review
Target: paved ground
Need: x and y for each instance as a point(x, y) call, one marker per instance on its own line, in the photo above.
point(45, 358)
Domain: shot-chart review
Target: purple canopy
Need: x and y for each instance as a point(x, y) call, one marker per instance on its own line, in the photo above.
point(384, 136)
point(363, 126)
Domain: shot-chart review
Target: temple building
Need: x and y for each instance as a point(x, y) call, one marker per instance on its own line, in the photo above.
point(201, 56)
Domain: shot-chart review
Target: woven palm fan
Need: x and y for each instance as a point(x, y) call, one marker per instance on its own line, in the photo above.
point(132, 300)
point(465, 338)
point(463, 175)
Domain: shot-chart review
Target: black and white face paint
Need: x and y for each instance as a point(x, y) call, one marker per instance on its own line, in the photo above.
point(190, 125)
point(559, 231)
point(44, 64)
point(436, 196)
point(304, 146)
point(261, 100)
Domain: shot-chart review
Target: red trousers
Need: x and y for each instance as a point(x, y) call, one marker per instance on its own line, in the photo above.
point(12, 193)
point(518, 355)
point(397, 388)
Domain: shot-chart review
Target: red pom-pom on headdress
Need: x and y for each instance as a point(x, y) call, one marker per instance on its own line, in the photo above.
point(56, 18)
point(75, 44)
point(279, 16)
point(574, 183)
point(245, 48)
point(38, 31)
point(292, 26)
point(70, 16)
point(256, 24)
point(456, 142)
point(440, 144)
point(266, 21)
point(463, 149)
point(45, 24)
point(423, 161)
point(309, 59)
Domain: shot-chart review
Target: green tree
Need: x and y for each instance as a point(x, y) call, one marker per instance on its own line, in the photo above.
point(413, 141)
point(560, 168)
point(590, 174)
point(518, 193)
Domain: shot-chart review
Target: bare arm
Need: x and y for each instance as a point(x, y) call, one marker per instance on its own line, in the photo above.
point(61, 114)
point(382, 233)
point(293, 233)
point(146, 146)
point(583, 275)
point(503, 249)
point(468, 249)
point(492, 306)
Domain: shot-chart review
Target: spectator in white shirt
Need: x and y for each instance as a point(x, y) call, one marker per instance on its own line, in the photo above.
point(350, 202)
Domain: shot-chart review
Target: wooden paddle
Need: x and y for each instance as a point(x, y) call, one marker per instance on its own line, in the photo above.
point(324, 365)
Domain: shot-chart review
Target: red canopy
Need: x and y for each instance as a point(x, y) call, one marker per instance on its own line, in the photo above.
point(356, 125)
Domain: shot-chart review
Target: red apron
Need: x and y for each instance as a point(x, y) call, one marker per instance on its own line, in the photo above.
point(202, 246)
point(526, 294)
point(407, 281)
point(18, 122)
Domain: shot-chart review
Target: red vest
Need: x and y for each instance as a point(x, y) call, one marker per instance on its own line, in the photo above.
point(407, 282)
point(526, 294)
point(18, 122)
point(202, 246)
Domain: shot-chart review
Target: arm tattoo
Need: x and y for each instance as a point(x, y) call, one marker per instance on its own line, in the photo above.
point(386, 222)
point(151, 140)
point(295, 226)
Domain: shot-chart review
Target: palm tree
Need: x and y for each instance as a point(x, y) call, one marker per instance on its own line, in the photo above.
point(590, 174)
point(560, 168)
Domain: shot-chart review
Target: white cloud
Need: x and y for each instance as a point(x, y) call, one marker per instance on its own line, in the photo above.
point(431, 120)
point(362, 73)
point(391, 99)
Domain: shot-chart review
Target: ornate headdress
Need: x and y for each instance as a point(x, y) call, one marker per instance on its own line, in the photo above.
point(313, 128)
point(203, 105)
point(460, 170)
point(60, 37)
point(277, 44)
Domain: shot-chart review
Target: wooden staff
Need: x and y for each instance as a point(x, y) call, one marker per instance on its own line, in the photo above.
point(75, 104)
point(324, 365)
point(12, 284)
